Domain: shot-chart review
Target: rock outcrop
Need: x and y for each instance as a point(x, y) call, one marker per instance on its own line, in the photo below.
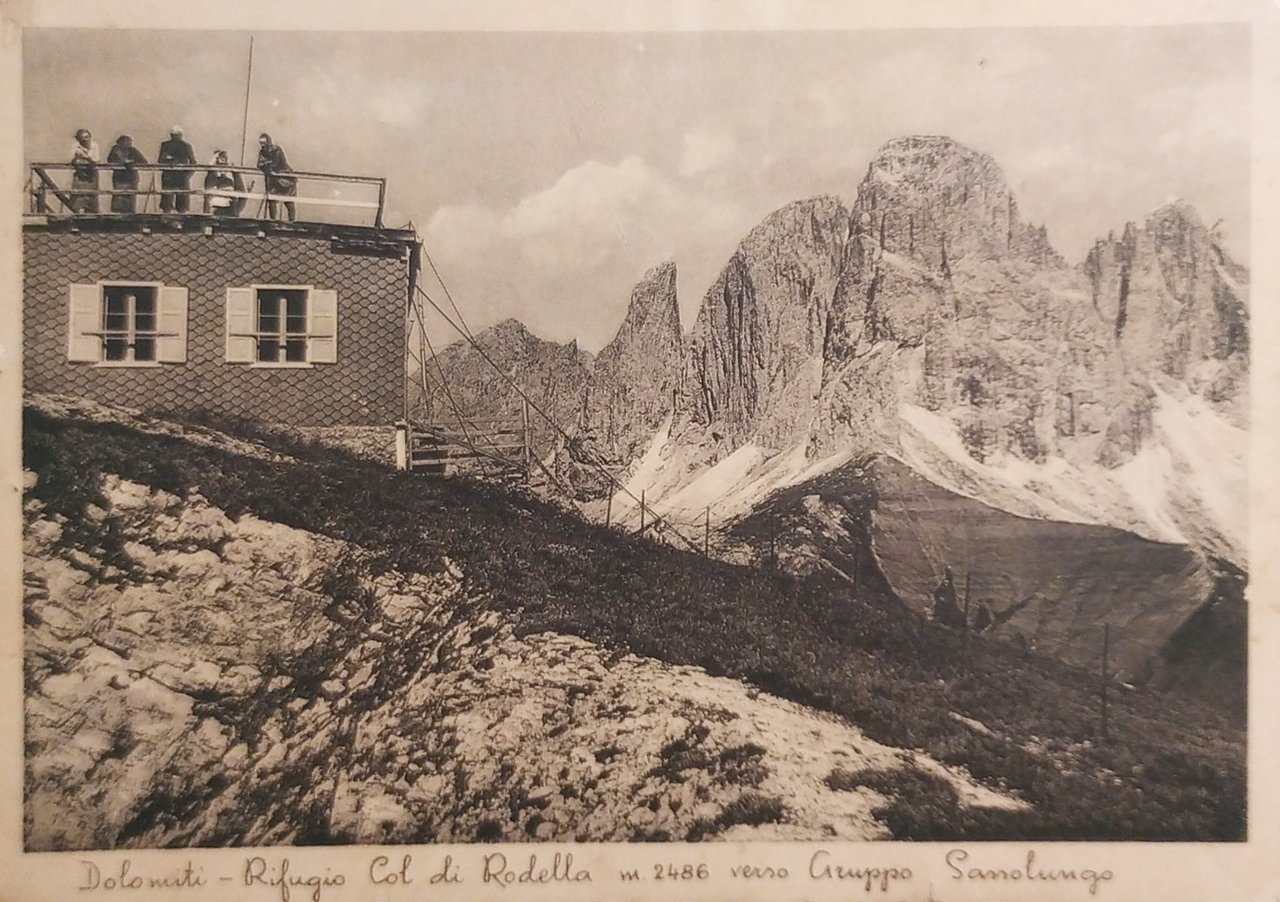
point(764, 324)
point(636, 377)
point(1176, 304)
point(552, 375)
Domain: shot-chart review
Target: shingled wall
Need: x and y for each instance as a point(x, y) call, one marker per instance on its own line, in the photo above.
point(365, 386)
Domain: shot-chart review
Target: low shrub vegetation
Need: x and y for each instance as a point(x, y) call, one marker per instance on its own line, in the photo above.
point(1171, 769)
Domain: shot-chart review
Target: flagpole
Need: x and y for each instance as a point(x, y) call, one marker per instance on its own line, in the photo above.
point(248, 86)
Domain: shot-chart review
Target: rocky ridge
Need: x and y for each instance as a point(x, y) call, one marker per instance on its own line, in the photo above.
point(931, 292)
point(460, 380)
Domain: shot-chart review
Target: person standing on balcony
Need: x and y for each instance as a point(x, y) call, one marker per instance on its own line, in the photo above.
point(84, 173)
point(272, 162)
point(124, 182)
point(220, 180)
point(176, 186)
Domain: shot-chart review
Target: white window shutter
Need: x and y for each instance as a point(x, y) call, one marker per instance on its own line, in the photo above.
point(171, 323)
point(84, 345)
point(242, 346)
point(322, 326)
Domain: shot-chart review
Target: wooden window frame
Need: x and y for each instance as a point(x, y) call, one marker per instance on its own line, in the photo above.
point(131, 333)
point(282, 334)
point(320, 343)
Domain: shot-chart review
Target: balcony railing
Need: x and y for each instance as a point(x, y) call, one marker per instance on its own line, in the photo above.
point(317, 196)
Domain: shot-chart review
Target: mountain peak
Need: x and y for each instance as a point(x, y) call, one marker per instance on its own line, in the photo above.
point(929, 154)
point(637, 375)
point(1176, 213)
point(937, 201)
point(910, 144)
point(506, 329)
point(660, 271)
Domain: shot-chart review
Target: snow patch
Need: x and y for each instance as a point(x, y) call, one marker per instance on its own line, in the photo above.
point(1187, 483)
point(729, 488)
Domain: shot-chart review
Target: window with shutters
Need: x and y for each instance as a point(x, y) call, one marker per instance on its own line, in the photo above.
point(127, 324)
point(282, 325)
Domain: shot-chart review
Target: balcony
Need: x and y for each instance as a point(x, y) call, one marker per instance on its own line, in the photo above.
point(318, 197)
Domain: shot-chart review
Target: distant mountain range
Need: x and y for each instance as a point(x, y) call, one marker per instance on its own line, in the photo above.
point(1017, 405)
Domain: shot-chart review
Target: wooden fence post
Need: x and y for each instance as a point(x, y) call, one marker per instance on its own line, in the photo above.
point(706, 533)
point(642, 512)
point(608, 507)
point(524, 432)
point(404, 448)
point(1106, 650)
point(967, 578)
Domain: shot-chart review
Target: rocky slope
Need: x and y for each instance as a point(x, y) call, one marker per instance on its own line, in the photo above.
point(195, 678)
point(235, 636)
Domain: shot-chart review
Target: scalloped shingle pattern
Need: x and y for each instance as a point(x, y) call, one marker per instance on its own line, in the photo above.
point(365, 387)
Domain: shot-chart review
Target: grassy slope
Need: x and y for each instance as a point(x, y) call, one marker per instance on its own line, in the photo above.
point(890, 520)
point(1172, 770)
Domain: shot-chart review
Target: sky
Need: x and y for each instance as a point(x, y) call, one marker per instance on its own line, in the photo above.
point(546, 172)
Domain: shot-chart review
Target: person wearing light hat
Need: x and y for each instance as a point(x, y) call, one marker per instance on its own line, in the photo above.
point(84, 173)
point(176, 185)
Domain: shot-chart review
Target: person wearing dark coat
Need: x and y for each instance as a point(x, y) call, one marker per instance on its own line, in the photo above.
point(176, 185)
point(272, 162)
point(126, 179)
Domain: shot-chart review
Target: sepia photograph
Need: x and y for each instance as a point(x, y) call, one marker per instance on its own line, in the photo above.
point(510, 436)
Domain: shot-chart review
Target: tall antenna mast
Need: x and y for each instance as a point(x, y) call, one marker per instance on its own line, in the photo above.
point(248, 86)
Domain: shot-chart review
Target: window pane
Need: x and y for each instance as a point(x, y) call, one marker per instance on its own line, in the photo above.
point(145, 322)
point(297, 304)
point(296, 350)
point(268, 350)
point(268, 313)
point(116, 303)
point(144, 349)
point(296, 325)
point(116, 348)
point(116, 322)
point(145, 302)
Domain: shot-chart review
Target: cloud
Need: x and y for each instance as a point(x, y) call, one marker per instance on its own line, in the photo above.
point(703, 153)
point(593, 213)
point(564, 258)
point(399, 103)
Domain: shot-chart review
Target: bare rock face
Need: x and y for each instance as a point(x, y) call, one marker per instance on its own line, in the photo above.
point(638, 374)
point(971, 304)
point(552, 375)
point(936, 202)
point(1176, 304)
point(755, 355)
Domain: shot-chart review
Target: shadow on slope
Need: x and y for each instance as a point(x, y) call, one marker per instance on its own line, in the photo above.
point(1176, 618)
point(1172, 770)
